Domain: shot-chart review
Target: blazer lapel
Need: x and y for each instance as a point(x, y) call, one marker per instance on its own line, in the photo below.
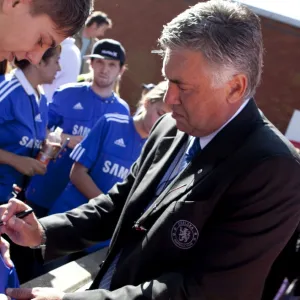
point(164, 155)
point(223, 145)
point(147, 183)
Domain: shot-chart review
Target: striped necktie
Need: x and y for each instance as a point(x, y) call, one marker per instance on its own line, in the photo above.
point(192, 150)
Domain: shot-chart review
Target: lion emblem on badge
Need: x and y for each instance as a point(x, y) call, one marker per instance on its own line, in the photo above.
point(184, 234)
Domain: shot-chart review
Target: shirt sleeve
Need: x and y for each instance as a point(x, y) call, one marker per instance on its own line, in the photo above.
point(55, 117)
point(89, 149)
point(6, 111)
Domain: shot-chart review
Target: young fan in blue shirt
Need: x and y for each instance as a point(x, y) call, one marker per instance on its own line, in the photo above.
point(106, 155)
point(23, 120)
point(76, 108)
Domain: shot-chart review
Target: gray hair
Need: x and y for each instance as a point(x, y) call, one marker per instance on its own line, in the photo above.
point(229, 36)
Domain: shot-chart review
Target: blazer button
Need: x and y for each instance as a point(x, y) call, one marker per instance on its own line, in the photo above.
point(101, 264)
point(200, 171)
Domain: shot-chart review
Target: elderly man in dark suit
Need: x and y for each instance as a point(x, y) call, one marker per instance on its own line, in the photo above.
point(213, 198)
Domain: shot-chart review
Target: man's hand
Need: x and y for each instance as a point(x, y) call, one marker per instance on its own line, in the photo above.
point(35, 293)
point(74, 139)
point(28, 166)
point(4, 249)
point(24, 232)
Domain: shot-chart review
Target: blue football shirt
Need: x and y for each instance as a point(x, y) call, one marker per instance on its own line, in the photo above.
point(108, 152)
point(75, 108)
point(8, 277)
point(23, 123)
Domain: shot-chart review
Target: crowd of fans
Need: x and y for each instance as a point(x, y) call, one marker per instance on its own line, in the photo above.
point(74, 87)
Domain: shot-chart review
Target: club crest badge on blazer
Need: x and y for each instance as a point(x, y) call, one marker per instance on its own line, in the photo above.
point(184, 234)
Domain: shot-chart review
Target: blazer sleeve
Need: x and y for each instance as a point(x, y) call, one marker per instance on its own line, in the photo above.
point(88, 224)
point(260, 212)
point(92, 222)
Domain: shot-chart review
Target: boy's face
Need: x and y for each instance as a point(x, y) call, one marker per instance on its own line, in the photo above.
point(25, 36)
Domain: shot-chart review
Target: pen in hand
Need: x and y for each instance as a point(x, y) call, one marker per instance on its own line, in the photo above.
point(21, 214)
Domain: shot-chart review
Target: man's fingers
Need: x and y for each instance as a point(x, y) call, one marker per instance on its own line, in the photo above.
point(11, 209)
point(19, 293)
point(3, 209)
point(14, 206)
point(4, 248)
point(17, 224)
point(39, 168)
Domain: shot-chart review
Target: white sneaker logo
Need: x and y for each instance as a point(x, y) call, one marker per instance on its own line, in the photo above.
point(78, 106)
point(38, 118)
point(120, 143)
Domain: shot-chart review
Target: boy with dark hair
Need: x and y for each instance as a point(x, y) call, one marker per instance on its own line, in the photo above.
point(29, 28)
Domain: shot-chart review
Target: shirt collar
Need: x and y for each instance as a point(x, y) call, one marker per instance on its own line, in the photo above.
point(18, 73)
point(204, 140)
point(111, 99)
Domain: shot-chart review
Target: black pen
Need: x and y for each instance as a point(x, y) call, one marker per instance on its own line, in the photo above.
point(21, 214)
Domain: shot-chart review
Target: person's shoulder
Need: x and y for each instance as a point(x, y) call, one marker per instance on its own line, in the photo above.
point(9, 86)
point(8, 79)
point(165, 127)
point(122, 102)
point(116, 118)
point(165, 124)
point(269, 142)
point(73, 87)
point(112, 123)
point(69, 48)
point(70, 93)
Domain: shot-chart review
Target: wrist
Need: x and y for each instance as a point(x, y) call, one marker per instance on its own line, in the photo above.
point(42, 238)
point(9, 158)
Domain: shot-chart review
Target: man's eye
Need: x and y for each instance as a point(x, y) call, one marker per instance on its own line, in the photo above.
point(182, 89)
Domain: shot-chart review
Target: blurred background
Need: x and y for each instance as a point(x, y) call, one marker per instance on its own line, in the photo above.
point(138, 23)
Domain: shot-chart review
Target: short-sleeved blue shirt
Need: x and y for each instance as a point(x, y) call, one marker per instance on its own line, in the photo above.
point(75, 108)
point(23, 122)
point(8, 277)
point(108, 152)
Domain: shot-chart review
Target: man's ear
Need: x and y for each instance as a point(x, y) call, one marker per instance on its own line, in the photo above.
point(91, 64)
point(16, 2)
point(41, 64)
point(123, 69)
point(236, 88)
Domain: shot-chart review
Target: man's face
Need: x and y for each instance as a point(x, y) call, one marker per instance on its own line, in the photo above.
point(25, 36)
point(49, 69)
point(98, 31)
point(153, 111)
point(106, 72)
point(198, 107)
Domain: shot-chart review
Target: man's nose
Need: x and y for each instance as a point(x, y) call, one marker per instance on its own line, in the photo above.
point(35, 56)
point(105, 69)
point(172, 95)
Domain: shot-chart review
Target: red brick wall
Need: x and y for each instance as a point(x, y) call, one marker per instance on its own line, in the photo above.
point(138, 23)
point(279, 93)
